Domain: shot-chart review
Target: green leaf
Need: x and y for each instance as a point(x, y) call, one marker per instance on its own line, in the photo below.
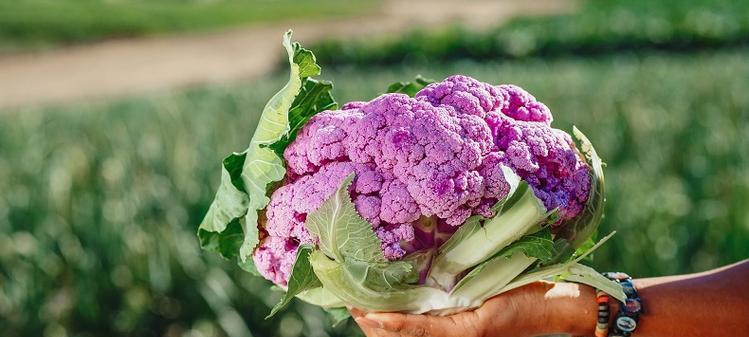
point(336, 279)
point(383, 276)
point(338, 315)
point(302, 278)
point(572, 271)
point(262, 165)
point(420, 260)
point(586, 250)
point(306, 60)
point(350, 257)
point(586, 246)
point(538, 245)
point(221, 230)
point(350, 240)
point(247, 176)
point(343, 234)
point(248, 265)
point(410, 88)
point(577, 231)
point(314, 97)
point(583, 274)
point(226, 242)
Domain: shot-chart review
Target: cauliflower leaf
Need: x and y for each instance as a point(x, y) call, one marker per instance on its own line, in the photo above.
point(348, 239)
point(221, 230)
point(302, 278)
point(314, 97)
point(230, 226)
point(349, 251)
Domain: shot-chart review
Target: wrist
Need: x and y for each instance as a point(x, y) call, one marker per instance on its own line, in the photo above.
point(543, 308)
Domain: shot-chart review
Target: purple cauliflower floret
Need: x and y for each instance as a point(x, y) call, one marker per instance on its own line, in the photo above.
point(435, 158)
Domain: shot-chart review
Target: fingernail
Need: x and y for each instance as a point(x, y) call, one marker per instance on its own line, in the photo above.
point(369, 323)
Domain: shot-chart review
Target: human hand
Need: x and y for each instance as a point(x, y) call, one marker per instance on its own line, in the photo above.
point(536, 309)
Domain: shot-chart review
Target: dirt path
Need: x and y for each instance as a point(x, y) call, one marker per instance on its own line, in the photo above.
point(125, 67)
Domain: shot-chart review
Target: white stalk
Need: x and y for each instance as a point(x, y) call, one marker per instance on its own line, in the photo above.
point(521, 218)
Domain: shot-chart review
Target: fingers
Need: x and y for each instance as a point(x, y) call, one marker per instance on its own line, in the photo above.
point(413, 325)
point(466, 324)
point(369, 327)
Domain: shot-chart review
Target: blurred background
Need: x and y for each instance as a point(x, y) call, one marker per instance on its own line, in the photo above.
point(115, 115)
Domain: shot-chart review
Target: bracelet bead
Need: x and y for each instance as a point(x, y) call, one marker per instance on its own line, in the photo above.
point(602, 325)
point(626, 324)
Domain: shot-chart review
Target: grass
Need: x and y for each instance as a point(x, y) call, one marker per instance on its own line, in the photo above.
point(100, 201)
point(600, 27)
point(36, 24)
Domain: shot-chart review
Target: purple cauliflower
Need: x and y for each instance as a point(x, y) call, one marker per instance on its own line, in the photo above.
point(430, 161)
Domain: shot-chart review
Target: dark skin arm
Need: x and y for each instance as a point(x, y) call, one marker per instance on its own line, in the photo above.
point(712, 303)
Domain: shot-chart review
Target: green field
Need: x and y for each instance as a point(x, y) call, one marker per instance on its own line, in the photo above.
point(600, 27)
point(36, 24)
point(100, 201)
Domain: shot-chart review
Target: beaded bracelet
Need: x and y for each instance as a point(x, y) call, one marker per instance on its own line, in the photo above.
point(629, 311)
point(602, 326)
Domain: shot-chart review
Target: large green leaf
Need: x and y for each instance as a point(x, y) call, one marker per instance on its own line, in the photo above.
point(302, 278)
point(490, 278)
point(262, 165)
point(349, 239)
point(349, 253)
point(231, 224)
